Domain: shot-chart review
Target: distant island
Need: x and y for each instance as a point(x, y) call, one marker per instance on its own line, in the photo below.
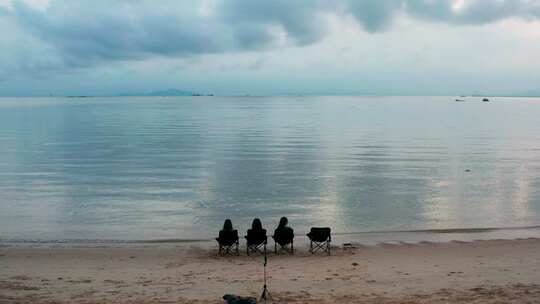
point(168, 92)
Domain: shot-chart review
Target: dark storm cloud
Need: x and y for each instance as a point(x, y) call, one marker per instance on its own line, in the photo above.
point(300, 19)
point(87, 33)
point(374, 16)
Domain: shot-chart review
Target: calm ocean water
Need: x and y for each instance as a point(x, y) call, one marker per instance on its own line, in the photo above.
point(151, 168)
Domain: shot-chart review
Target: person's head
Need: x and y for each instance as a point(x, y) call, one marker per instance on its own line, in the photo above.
point(227, 225)
point(283, 222)
point(256, 224)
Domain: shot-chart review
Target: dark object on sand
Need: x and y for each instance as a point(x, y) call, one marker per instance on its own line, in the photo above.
point(319, 240)
point(283, 236)
point(233, 299)
point(348, 246)
point(485, 99)
point(256, 238)
point(228, 239)
point(457, 99)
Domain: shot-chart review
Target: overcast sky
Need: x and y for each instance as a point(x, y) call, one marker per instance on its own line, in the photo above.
point(381, 47)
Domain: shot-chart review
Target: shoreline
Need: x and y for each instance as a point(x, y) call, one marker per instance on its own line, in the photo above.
point(442, 235)
point(490, 271)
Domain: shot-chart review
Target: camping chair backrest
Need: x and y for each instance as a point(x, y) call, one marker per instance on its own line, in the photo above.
point(256, 236)
point(228, 237)
point(319, 234)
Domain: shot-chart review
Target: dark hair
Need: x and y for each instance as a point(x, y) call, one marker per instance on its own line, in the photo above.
point(256, 224)
point(283, 222)
point(227, 225)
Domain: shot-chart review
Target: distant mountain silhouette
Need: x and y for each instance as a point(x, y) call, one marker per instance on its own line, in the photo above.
point(168, 92)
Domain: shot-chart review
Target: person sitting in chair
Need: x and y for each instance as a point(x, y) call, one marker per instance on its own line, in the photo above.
point(228, 239)
point(256, 237)
point(283, 235)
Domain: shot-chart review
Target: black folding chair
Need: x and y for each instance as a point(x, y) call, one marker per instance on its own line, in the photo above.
point(319, 240)
point(256, 241)
point(285, 239)
point(228, 242)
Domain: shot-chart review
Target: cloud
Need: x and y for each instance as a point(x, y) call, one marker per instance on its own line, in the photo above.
point(299, 20)
point(374, 16)
point(86, 33)
point(473, 11)
point(77, 33)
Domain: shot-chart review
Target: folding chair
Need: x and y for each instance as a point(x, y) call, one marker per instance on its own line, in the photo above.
point(228, 242)
point(319, 240)
point(285, 239)
point(256, 241)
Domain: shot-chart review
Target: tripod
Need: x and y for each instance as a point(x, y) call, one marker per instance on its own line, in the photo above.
point(265, 296)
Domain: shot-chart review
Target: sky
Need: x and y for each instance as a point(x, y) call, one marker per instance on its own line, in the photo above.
point(277, 47)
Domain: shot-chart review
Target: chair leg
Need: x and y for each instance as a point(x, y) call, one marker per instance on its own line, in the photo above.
point(292, 247)
point(311, 247)
point(328, 247)
point(275, 248)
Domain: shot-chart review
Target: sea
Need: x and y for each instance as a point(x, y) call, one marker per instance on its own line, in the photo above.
point(138, 169)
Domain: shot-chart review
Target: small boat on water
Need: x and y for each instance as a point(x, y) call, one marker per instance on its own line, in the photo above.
point(460, 100)
point(485, 99)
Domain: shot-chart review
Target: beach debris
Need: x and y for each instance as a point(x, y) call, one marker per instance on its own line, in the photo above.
point(234, 299)
point(348, 246)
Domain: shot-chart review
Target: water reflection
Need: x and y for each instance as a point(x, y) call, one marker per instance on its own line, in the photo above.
point(135, 168)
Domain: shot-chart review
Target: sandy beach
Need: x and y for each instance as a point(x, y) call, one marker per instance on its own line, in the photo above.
point(496, 271)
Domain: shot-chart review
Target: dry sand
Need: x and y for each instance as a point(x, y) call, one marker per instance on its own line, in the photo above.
point(498, 271)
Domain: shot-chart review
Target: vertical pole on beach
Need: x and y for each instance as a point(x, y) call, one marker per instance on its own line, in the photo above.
point(265, 296)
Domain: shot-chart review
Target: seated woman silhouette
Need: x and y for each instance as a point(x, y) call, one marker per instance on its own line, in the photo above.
point(256, 237)
point(284, 235)
point(256, 234)
point(228, 237)
point(227, 225)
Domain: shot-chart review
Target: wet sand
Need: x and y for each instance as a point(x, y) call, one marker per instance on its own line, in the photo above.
point(496, 271)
